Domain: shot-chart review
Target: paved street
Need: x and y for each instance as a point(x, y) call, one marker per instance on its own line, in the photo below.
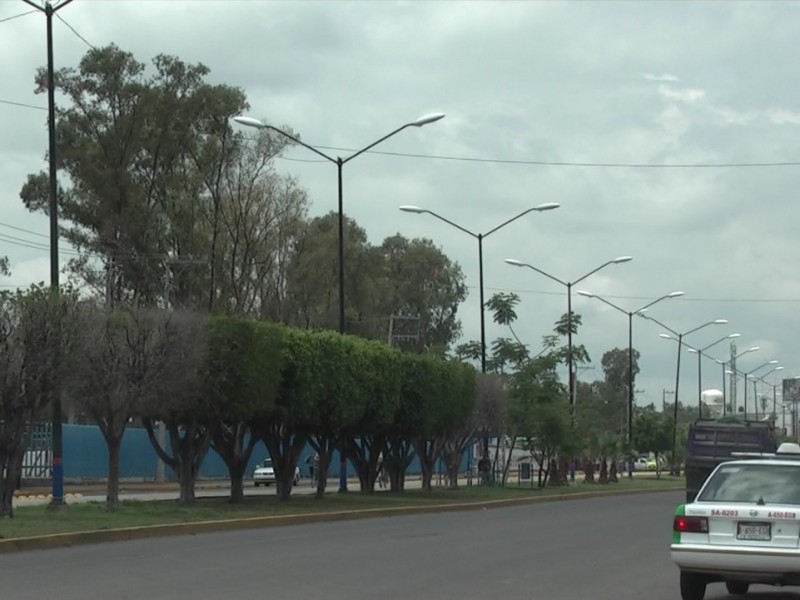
point(615, 548)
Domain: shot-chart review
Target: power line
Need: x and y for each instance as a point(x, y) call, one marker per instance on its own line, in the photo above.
point(83, 39)
point(645, 298)
point(11, 102)
point(18, 16)
point(543, 163)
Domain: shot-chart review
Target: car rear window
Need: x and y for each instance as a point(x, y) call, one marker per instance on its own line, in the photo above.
point(753, 483)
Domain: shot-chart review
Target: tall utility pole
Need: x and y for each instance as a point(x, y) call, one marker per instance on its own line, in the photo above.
point(57, 440)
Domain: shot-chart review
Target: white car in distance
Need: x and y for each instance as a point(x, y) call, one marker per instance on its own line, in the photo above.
point(264, 474)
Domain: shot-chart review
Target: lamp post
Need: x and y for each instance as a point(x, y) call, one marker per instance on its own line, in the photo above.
point(339, 162)
point(480, 237)
point(630, 358)
point(747, 374)
point(568, 285)
point(764, 382)
point(724, 364)
point(699, 352)
point(679, 339)
point(57, 441)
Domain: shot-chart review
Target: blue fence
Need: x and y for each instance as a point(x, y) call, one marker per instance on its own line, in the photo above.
point(86, 457)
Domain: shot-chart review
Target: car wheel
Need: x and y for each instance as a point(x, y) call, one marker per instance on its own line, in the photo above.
point(693, 586)
point(737, 588)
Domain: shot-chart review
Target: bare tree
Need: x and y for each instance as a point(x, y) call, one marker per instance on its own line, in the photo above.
point(180, 401)
point(490, 406)
point(32, 344)
point(119, 361)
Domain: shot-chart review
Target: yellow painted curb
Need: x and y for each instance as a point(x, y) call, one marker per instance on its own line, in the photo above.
point(63, 540)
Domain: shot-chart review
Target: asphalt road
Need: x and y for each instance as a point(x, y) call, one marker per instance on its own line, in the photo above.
point(602, 548)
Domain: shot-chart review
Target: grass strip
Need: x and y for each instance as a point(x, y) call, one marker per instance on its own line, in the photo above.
point(92, 516)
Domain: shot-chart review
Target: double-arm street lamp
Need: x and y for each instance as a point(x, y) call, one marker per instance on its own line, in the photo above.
point(57, 439)
point(480, 237)
point(339, 162)
point(630, 357)
point(746, 375)
point(755, 381)
point(568, 285)
point(680, 341)
point(725, 371)
point(699, 352)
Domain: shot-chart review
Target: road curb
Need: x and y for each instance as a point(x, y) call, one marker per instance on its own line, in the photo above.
point(65, 540)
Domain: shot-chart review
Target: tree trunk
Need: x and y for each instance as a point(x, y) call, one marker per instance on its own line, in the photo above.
point(588, 470)
point(114, 444)
point(508, 460)
point(603, 471)
point(186, 477)
point(324, 446)
point(11, 463)
point(612, 472)
point(236, 472)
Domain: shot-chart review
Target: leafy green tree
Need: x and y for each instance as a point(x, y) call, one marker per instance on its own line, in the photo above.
point(243, 375)
point(653, 433)
point(540, 414)
point(418, 280)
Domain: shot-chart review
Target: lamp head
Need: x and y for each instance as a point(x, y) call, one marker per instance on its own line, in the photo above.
point(693, 350)
point(621, 259)
point(666, 336)
point(432, 118)
point(735, 335)
point(773, 362)
point(547, 206)
point(412, 209)
point(674, 294)
point(778, 369)
point(752, 349)
point(720, 321)
point(250, 122)
point(585, 293)
point(515, 262)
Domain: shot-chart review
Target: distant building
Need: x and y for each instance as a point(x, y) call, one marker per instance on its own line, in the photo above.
point(713, 402)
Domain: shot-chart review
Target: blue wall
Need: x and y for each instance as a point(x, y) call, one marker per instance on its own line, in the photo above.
point(86, 457)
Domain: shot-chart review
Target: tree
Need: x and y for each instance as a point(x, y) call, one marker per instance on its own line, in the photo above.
point(119, 362)
point(653, 433)
point(157, 177)
point(490, 401)
point(182, 403)
point(34, 339)
point(243, 375)
point(418, 280)
point(540, 414)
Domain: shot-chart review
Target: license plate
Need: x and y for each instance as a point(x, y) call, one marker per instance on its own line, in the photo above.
point(754, 531)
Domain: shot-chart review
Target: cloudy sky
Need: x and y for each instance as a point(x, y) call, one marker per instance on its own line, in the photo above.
point(667, 131)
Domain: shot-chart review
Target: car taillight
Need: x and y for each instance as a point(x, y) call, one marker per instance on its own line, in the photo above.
point(690, 524)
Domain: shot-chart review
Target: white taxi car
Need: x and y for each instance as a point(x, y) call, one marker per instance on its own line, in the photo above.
point(743, 527)
point(264, 474)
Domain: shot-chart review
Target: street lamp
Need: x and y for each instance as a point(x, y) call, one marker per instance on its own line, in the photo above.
point(726, 372)
point(755, 391)
point(746, 375)
point(57, 439)
point(699, 352)
point(679, 339)
point(630, 357)
point(568, 285)
point(339, 162)
point(480, 237)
